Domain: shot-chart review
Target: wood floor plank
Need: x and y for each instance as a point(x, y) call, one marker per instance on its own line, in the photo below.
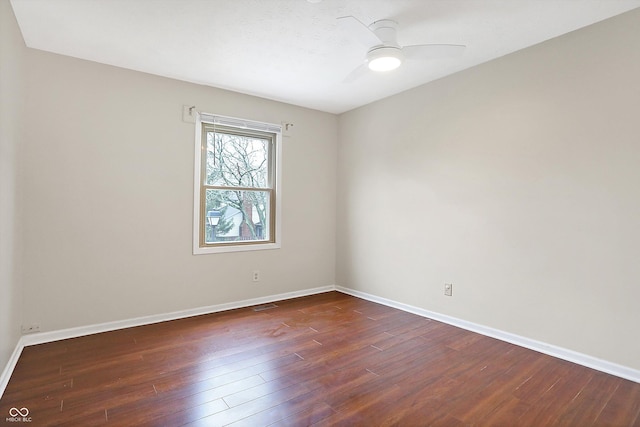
point(426, 402)
point(309, 402)
point(250, 408)
point(624, 406)
point(306, 417)
point(46, 389)
point(587, 406)
point(326, 360)
point(259, 390)
point(550, 403)
point(164, 406)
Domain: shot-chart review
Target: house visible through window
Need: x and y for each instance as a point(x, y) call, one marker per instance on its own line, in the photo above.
point(237, 165)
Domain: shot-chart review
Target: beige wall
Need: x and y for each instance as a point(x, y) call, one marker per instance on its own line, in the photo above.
point(11, 51)
point(108, 197)
point(516, 180)
point(519, 182)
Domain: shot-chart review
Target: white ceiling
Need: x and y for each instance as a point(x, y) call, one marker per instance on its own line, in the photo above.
point(293, 50)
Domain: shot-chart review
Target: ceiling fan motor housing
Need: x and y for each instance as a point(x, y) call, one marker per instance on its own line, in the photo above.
point(386, 30)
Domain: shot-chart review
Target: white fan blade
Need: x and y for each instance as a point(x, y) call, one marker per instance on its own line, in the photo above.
point(433, 51)
point(356, 74)
point(359, 31)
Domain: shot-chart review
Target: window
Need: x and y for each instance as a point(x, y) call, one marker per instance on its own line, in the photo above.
point(236, 185)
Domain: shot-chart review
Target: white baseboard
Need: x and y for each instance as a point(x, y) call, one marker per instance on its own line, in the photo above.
point(559, 352)
point(44, 337)
point(11, 364)
point(551, 350)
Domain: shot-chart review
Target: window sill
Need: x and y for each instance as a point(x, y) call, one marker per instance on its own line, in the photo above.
point(235, 248)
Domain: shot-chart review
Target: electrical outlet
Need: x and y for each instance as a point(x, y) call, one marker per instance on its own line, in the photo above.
point(256, 275)
point(448, 289)
point(30, 329)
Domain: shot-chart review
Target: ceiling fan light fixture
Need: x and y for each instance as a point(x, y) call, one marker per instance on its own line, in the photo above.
point(384, 58)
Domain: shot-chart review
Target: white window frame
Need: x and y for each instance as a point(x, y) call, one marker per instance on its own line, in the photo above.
point(205, 118)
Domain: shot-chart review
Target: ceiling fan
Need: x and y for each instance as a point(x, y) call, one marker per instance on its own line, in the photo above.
point(384, 53)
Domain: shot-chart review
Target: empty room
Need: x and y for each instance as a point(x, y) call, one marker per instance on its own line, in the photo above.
point(320, 212)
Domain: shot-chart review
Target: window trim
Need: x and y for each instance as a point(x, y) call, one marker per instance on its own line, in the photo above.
point(240, 124)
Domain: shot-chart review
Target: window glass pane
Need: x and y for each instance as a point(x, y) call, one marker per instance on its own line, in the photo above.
point(237, 160)
point(234, 216)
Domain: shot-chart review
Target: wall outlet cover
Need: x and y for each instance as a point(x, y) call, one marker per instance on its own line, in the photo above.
point(448, 289)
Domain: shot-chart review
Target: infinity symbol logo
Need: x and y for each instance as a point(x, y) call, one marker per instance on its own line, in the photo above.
point(14, 412)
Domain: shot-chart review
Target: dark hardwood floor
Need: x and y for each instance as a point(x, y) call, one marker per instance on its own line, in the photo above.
point(328, 359)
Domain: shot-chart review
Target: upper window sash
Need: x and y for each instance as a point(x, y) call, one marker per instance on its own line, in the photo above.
point(226, 176)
